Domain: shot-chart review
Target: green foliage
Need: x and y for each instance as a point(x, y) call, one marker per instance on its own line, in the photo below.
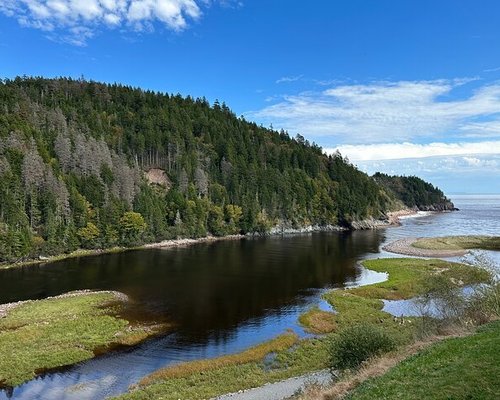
point(233, 215)
point(358, 343)
point(263, 223)
point(74, 152)
point(414, 192)
point(132, 226)
point(216, 223)
point(88, 235)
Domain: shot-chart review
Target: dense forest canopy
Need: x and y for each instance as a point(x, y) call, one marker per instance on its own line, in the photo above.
point(414, 192)
point(73, 158)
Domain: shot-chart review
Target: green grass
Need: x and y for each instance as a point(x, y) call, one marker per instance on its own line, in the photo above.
point(46, 334)
point(407, 275)
point(459, 243)
point(460, 368)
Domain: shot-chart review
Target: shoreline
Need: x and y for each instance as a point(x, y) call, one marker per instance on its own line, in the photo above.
point(404, 247)
point(170, 243)
point(392, 220)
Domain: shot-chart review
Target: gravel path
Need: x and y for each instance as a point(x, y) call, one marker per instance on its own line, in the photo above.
point(282, 389)
point(404, 246)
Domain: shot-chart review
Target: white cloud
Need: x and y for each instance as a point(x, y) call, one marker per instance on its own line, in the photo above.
point(75, 21)
point(492, 69)
point(396, 151)
point(287, 79)
point(470, 174)
point(486, 129)
point(388, 111)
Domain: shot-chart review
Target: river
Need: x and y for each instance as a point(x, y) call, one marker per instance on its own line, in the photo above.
point(221, 297)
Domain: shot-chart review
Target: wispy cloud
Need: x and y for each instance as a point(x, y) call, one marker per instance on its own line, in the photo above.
point(287, 79)
point(482, 165)
point(459, 173)
point(492, 69)
point(396, 151)
point(75, 21)
point(388, 111)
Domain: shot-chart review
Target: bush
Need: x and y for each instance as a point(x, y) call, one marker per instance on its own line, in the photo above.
point(357, 344)
point(473, 300)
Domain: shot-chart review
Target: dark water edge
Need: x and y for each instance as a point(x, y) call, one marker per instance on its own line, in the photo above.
point(223, 296)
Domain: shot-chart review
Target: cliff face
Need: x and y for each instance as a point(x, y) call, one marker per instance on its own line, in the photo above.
point(443, 206)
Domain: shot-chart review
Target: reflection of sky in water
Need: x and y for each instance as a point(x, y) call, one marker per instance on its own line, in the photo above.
point(417, 307)
point(112, 374)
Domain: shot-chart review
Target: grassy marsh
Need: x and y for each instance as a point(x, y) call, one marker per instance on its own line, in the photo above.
point(406, 280)
point(36, 336)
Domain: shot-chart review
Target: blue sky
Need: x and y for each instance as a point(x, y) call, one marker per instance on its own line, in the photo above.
point(410, 87)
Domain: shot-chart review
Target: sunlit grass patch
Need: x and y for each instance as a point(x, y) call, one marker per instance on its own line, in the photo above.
point(46, 334)
point(406, 280)
point(459, 368)
point(459, 243)
point(407, 276)
point(255, 353)
point(318, 321)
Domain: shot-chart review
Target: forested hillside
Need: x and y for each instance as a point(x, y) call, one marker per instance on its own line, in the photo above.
point(415, 192)
point(74, 157)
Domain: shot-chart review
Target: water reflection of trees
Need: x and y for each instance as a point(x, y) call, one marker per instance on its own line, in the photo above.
point(207, 288)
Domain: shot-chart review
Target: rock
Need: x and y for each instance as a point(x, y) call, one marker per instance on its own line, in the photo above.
point(159, 177)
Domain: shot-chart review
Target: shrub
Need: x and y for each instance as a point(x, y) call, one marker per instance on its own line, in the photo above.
point(358, 343)
point(449, 303)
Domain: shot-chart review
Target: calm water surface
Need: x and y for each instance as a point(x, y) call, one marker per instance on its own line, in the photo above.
point(222, 297)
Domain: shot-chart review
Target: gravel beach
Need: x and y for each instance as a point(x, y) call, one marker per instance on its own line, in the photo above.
point(404, 246)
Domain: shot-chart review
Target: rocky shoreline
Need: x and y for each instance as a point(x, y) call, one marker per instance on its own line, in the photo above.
point(404, 246)
point(188, 242)
point(392, 219)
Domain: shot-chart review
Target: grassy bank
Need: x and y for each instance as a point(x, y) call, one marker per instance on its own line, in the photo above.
point(44, 334)
point(459, 243)
point(406, 280)
point(205, 379)
point(285, 357)
point(460, 368)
